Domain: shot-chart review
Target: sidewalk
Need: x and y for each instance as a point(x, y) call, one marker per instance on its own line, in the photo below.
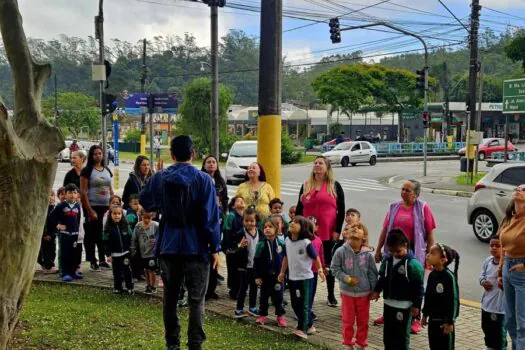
point(439, 184)
point(468, 326)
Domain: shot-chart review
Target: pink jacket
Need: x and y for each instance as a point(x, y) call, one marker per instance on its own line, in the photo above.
point(318, 246)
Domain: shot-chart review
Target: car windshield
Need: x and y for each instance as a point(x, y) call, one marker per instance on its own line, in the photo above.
point(345, 146)
point(486, 142)
point(244, 150)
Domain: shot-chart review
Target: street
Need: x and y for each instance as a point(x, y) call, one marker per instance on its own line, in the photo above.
point(366, 189)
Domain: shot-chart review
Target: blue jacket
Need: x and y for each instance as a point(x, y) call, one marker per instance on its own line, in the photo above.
point(202, 235)
point(269, 257)
point(117, 240)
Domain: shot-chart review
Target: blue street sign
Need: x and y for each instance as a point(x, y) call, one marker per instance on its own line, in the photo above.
point(115, 140)
point(168, 102)
point(134, 101)
point(137, 103)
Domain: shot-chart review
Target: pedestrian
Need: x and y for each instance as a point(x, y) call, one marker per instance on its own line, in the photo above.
point(256, 191)
point(132, 217)
point(143, 244)
point(492, 300)
point(291, 212)
point(441, 298)
point(353, 217)
point(276, 207)
point(137, 179)
point(114, 201)
point(354, 267)
point(66, 217)
point(47, 252)
point(283, 228)
point(246, 241)
point(74, 147)
point(156, 141)
point(96, 189)
point(189, 234)
point(414, 217)
point(80, 239)
point(78, 158)
point(512, 267)
point(299, 255)
point(61, 194)
point(323, 197)
point(318, 247)
point(401, 282)
point(231, 225)
point(269, 254)
point(117, 240)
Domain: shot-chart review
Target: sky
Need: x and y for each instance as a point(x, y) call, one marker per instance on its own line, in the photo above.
point(132, 20)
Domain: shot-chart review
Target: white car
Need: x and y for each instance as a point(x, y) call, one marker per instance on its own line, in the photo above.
point(352, 152)
point(242, 154)
point(65, 154)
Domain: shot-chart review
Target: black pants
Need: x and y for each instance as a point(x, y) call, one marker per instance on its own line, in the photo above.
point(194, 272)
point(68, 244)
point(271, 288)
point(137, 269)
point(47, 253)
point(300, 292)
point(232, 278)
point(396, 330)
point(330, 279)
point(93, 235)
point(437, 339)
point(246, 280)
point(212, 282)
point(78, 254)
point(493, 326)
point(121, 268)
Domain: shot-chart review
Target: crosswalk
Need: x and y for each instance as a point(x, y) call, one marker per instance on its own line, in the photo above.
point(292, 188)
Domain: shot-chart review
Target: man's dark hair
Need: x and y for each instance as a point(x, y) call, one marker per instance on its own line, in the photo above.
point(397, 238)
point(71, 188)
point(181, 148)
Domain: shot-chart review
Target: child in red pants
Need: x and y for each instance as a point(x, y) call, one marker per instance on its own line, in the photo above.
point(354, 266)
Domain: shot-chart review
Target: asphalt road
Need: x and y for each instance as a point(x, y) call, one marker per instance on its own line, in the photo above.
point(366, 189)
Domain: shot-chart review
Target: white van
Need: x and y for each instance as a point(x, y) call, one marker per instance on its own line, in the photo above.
point(242, 154)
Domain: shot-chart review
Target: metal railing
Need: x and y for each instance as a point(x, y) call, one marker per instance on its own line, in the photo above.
point(417, 147)
point(516, 156)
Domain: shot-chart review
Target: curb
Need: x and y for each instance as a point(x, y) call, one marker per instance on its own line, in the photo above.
point(470, 303)
point(445, 192)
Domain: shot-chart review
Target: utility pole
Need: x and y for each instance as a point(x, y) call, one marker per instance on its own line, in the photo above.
point(473, 67)
point(214, 79)
point(143, 115)
point(447, 130)
point(270, 77)
point(100, 35)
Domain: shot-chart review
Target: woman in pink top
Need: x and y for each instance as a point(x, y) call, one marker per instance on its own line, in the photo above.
point(323, 197)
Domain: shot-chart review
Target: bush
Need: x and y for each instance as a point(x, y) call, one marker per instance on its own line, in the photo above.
point(336, 128)
point(288, 153)
point(132, 135)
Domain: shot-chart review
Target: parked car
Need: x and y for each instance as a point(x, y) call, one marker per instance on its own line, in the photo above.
point(492, 194)
point(65, 154)
point(242, 154)
point(489, 146)
point(352, 152)
point(329, 145)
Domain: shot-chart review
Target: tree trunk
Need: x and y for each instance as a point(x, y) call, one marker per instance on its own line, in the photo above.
point(400, 127)
point(28, 145)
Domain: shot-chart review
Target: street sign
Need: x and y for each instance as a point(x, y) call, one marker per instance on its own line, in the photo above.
point(137, 103)
point(514, 96)
point(165, 103)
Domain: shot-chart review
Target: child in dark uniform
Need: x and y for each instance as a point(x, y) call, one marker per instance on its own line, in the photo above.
point(47, 253)
point(441, 297)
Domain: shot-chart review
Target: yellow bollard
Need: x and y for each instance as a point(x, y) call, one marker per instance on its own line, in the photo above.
point(143, 145)
point(269, 149)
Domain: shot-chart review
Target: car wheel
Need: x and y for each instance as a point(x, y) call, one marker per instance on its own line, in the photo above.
point(353, 164)
point(481, 156)
point(373, 160)
point(484, 225)
point(345, 161)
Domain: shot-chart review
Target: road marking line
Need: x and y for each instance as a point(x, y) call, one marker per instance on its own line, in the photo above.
point(362, 182)
point(361, 186)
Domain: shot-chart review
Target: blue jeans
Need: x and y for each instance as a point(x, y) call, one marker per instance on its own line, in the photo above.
point(514, 288)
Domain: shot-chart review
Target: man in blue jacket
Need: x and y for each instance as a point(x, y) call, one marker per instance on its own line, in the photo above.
point(188, 239)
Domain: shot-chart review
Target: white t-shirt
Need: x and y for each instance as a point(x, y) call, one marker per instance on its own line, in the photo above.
point(300, 255)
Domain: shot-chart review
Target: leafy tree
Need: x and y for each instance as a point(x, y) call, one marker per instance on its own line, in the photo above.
point(516, 49)
point(336, 128)
point(289, 155)
point(76, 111)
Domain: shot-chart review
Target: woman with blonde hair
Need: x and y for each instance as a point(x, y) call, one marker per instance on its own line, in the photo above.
point(323, 197)
point(78, 159)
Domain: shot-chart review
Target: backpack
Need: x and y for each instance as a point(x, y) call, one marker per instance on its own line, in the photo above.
point(177, 205)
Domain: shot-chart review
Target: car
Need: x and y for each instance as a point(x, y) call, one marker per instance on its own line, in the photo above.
point(489, 146)
point(329, 145)
point(352, 152)
point(242, 154)
point(492, 195)
point(65, 154)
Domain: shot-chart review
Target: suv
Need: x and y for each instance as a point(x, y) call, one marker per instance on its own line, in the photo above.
point(492, 194)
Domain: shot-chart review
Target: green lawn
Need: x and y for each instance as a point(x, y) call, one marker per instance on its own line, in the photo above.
point(464, 180)
point(57, 316)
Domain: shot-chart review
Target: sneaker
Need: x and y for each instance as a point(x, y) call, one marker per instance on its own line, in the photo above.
point(104, 265)
point(281, 321)
point(379, 321)
point(332, 301)
point(117, 291)
point(220, 277)
point(147, 290)
point(153, 290)
point(180, 303)
point(311, 330)
point(261, 320)
point(314, 317)
point(299, 333)
point(67, 278)
point(253, 311)
point(415, 328)
point(239, 314)
point(76, 276)
point(94, 267)
point(131, 292)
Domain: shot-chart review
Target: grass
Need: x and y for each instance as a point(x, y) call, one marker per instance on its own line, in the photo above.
point(464, 180)
point(57, 316)
point(307, 158)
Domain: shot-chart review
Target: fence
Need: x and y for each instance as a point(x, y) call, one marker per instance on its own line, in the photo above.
point(517, 156)
point(417, 147)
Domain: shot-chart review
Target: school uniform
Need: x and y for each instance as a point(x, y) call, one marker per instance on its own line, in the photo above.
point(47, 252)
point(231, 225)
point(117, 244)
point(245, 257)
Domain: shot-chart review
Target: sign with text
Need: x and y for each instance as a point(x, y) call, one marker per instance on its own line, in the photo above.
point(137, 103)
point(514, 96)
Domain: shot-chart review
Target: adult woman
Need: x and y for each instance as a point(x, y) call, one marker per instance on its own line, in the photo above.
point(323, 198)
point(256, 191)
point(137, 179)
point(78, 158)
point(511, 272)
point(415, 218)
point(95, 185)
point(210, 166)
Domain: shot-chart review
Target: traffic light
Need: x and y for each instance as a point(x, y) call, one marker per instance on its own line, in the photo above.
point(420, 80)
point(426, 119)
point(335, 31)
point(111, 103)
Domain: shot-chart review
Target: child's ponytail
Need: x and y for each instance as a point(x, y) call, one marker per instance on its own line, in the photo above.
point(452, 256)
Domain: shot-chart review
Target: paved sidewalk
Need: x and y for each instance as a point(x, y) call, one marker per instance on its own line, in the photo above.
point(468, 336)
point(439, 184)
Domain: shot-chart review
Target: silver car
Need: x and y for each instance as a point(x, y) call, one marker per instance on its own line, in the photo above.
point(493, 193)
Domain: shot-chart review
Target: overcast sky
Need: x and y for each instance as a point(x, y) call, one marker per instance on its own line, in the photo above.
point(133, 20)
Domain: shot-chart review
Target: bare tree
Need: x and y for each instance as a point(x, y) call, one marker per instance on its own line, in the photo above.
point(28, 145)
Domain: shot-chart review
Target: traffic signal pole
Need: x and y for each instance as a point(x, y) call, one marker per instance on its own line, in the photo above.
point(143, 115)
point(100, 36)
point(270, 76)
point(214, 81)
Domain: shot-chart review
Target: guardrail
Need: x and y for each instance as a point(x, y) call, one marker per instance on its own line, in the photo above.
point(412, 147)
point(516, 156)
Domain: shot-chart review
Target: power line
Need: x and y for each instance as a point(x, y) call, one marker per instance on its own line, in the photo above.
point(453, 15)
point(504, 13)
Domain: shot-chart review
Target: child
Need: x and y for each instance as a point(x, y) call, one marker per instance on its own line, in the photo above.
point(247, 240)
point(231, 225)
point(353, 217)
point(80, 239)
point(61, 194)
point(132, 217)
point(47, 254)
point(291, 212)
point(441, 297)
point(401, 281)
point(300, 253)
point(114, 201)
point(66, 217)
point(276, 207)
point(318, 247)
point(117, 242)
point(143, 244)
point(492, 308)
point(267, 265)
point(355, 268)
